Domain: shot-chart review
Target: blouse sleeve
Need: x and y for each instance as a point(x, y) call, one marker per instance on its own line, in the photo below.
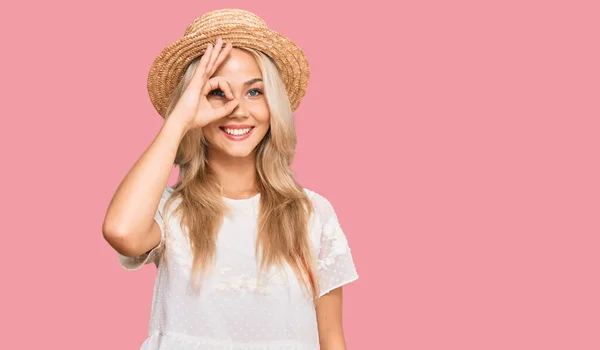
point(335, 265)
point(154, 254)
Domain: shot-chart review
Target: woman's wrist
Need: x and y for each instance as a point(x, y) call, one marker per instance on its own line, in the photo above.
point(175, 128)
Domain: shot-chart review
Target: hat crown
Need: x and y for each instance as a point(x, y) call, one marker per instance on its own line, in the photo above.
point(225, 18)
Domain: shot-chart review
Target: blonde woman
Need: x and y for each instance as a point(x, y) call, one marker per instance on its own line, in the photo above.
point(246, 257)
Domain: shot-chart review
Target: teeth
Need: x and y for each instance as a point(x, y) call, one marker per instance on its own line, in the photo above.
point(237, 132)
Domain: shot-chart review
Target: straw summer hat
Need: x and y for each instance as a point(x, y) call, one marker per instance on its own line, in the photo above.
point(241, 28)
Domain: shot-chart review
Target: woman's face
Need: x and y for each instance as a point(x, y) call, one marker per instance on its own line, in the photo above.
point(238, 134)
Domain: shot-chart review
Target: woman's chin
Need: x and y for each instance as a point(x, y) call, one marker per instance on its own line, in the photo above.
point(238, 152)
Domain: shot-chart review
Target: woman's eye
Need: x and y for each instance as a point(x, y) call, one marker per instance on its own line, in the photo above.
point(216, 92)
point(255, 90)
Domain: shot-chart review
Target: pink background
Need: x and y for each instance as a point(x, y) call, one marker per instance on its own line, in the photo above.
point(458, 142)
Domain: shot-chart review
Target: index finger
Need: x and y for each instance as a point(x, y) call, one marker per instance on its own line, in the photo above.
point(220, 58)
point(199, 77)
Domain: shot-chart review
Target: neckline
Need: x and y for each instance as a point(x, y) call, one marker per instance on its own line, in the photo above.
point(232, 200)
point(241, 200)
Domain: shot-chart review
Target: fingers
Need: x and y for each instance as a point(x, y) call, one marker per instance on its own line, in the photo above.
point(220, 58)
point(226, 109)
point(218, 83)
point(214, 54)
point(209, 62)
point(199, 77)
point(205, 58)
point(221, 84)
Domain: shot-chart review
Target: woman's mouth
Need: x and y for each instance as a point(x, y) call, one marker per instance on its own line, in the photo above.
point(237, 133)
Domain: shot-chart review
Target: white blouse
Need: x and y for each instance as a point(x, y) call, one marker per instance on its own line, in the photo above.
point(232, 310)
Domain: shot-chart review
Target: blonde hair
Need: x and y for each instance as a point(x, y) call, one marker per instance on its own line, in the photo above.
point(283, 235)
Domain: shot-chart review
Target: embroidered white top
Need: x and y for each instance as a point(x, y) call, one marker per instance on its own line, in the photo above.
point(231, 310)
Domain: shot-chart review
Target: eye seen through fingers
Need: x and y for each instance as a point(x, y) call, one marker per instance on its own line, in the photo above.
point(220, 94)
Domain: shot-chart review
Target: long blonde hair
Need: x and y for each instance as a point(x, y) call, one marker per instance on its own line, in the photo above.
point(283, 234)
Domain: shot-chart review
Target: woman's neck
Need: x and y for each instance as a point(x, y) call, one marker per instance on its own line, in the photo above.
point(237, 175)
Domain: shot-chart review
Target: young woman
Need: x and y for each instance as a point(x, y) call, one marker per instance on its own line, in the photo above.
point(246, 257)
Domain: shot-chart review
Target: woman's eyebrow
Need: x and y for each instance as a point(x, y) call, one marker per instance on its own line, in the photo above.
point(252, 81)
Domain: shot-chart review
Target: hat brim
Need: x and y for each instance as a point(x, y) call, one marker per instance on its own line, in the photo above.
point(168, 67)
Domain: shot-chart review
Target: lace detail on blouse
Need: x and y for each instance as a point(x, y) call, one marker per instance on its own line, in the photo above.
point(334, 244)
point(335, 265)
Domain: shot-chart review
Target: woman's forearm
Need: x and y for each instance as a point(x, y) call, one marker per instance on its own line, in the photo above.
point(130, 213)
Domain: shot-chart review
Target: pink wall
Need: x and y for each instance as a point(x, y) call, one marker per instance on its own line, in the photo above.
point(457, 141)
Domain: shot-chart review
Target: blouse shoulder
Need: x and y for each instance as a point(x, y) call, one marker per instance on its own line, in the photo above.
point(323, 207)
point(335, 264)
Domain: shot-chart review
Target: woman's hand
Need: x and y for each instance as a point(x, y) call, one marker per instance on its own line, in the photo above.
point(193, 108)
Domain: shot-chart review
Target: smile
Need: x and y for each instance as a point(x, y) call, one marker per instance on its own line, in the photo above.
point(237, 134)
